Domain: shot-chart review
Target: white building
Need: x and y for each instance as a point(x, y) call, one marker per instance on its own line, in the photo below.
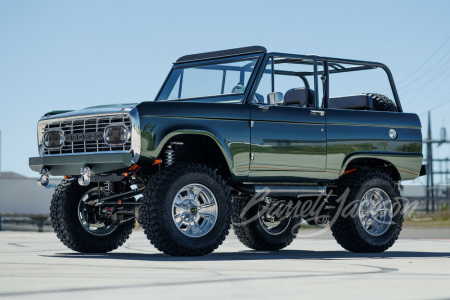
point(22, 195)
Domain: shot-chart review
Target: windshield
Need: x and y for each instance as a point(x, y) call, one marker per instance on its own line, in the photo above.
point(227, 78)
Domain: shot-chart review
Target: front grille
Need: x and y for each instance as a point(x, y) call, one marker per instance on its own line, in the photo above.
point(88, 125)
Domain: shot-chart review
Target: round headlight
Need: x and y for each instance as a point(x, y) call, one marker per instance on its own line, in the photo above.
point(116, 134)
point(53, 139)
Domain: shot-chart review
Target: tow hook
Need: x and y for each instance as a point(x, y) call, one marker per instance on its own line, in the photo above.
point(45, 177)
point(85, 178)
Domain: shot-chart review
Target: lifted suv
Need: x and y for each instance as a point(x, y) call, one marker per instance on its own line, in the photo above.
point(242, 136)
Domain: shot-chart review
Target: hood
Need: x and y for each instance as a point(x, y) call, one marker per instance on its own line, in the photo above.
point(92, 110)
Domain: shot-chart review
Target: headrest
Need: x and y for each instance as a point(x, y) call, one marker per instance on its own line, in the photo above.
point(299, 96)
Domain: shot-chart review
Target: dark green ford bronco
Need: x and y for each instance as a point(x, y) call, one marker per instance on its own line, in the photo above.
point(261, 141)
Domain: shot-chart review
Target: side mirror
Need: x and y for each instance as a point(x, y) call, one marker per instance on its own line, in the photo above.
point(275, 98)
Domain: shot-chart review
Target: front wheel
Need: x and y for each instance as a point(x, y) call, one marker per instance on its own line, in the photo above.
point(368, 215)
point(186, 210)
point(81, 227)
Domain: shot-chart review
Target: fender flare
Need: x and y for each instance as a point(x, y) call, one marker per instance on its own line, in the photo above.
point(219, 142)
point(400, 161)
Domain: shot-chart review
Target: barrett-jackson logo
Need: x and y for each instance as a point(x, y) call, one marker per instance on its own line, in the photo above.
point(83, 137)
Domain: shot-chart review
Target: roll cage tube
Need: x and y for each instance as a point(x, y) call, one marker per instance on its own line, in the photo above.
point(325, 82)
point(363, 65)
point(270, 58)
point(328, 63)
point(331, 65)
point(360, 65)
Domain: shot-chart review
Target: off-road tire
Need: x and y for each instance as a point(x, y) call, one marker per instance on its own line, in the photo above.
point(253, 235)
point(347, 229)
point(382, 103)
point(67, 226)
point(156, 215)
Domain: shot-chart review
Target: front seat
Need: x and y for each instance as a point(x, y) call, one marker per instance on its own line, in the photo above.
point(299, 97)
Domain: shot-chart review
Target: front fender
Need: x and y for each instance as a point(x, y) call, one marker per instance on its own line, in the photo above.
point(226, 124)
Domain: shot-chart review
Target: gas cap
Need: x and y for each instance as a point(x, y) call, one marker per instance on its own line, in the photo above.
point(393, 133)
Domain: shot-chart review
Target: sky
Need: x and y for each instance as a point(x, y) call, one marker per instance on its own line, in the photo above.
point(73, 54)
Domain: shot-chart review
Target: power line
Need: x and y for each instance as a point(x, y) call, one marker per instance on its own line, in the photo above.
point(425, 63)
point(437, 73)
point(435, 90)
point(427, 83)
point(441, 104)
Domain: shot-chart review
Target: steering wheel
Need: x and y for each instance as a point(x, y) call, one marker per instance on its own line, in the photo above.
point(258, 99)
point(237, 89)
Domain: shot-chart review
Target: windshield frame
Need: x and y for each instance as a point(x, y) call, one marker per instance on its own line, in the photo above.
point(216, 98)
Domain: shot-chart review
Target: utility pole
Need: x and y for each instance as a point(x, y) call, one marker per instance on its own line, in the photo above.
point(446, 170)
point(430, 181)
point(431, 192)
point(0, 151)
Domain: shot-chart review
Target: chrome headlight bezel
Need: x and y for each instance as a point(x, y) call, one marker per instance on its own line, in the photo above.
point(127, 134)
point(51, 131)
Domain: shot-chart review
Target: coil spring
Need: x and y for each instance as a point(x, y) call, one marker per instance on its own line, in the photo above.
point(169, 156)
point(105, 189)
point(108, 188)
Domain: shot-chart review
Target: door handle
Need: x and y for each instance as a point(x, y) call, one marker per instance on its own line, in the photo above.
point(263, 106)
point(317, 113)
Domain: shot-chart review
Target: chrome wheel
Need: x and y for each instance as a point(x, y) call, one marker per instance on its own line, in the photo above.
point(375, 212)
point(272, 224)
point(89, 216)
point(194, 210)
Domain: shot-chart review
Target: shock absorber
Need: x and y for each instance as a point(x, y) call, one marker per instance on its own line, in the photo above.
point(169, 155)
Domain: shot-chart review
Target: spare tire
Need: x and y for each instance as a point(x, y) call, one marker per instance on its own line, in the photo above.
point(382, 103)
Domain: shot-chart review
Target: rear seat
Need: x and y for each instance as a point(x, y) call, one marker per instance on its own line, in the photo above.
point(351, 102)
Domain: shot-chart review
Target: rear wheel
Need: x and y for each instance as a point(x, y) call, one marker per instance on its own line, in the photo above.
point(186, 210)
point(258, 229)
point(370, 218)
point(80, 226)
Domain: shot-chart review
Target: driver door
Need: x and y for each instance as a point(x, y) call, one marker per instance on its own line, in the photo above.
point(288, 139)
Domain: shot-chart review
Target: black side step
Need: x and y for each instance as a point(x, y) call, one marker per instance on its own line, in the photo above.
point(284, 190)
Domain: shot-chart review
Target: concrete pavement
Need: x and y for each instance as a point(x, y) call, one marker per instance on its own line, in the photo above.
point(37, 266)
